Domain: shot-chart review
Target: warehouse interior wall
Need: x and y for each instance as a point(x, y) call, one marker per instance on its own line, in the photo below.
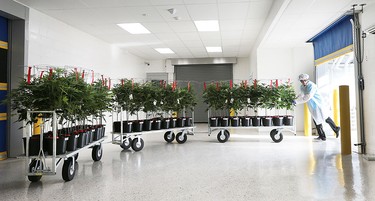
point(284, 63)
point(368, 20)
point(55, 43)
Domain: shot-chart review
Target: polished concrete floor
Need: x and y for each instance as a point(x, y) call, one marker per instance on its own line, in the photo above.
point(247, 167)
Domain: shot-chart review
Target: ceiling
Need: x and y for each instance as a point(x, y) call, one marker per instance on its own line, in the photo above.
point(240, 23)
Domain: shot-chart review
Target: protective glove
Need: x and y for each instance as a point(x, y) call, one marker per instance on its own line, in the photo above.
point(294, 102)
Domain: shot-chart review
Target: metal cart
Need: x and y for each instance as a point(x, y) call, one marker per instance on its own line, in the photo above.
point(276, 131)
point(42, 164)
point(135, 141)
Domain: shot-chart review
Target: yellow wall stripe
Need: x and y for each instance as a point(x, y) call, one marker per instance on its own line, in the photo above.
point(3, 86)
point(3, 45)
point(3, 155)
point(334, 55)
point(3, 116)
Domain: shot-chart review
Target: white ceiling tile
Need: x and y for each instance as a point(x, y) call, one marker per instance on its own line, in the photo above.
point(167, 36)
point(55, 4)
point(180, 12)
point(193, 43)
point(210, 36)
point(183, 26)
point(230, 48)
point(203, 12)
point(259, 9)
point(231, 42)
point(232, 25)
point(198, 50)
point(166, 2)
point(212, 43)
point(231, 35)
point(199, 1)
point(114, 3)
point(228, 11)
point(189, 36)
point(157, 27)
point(173, 44)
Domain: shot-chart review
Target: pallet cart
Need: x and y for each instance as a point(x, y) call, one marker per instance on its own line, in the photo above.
point(276, 131)
point(37, 166)
point(135, 141)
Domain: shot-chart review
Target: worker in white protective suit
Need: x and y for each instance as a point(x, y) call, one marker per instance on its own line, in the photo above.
point(309, 94)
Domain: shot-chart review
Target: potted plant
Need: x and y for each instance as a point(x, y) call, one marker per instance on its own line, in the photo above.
point(287, 95)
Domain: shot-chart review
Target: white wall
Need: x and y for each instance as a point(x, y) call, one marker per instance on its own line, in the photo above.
point(285, 63)
point(55, 43)
point(368, 19)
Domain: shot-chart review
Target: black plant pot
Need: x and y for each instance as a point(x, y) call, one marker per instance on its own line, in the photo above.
point(147, 125)
point(72, 142)
point(156, 124)
point(245, 121)
point(165, 123)
point(277, 121)
point(266, 121)
point(213, 122)
point(181, 122)
point(61, 143)
point(137, 126)
point(34, 145)
point(188, 121)
point(172, 123)
point(255, 121)
point(81, 139)
point(224, 122)
point(235, 121)
point(288, 120)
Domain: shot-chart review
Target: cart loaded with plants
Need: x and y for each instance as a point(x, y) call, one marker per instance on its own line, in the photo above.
point(224, 98)
point(142, 108)
point(63, 116)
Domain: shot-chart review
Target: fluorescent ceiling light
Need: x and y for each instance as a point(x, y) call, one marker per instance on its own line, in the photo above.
point(164, 50)
point(207, 25)
point(214, 49)
point(134, 28)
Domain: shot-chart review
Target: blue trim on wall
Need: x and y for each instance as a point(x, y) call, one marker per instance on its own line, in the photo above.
point(335, 37)
point(4, 29)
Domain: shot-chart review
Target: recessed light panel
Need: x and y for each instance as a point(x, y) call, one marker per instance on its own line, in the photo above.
point(164, 50)
point(207, 25)
point(214, 49)
point(134, 28)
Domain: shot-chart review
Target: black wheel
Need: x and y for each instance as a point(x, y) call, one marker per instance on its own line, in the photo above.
point(33, 167)
point(180, 138)
point(223, 136)
point(69, 170)
point(276, 136)
point(126, 143)
point(137, 144)
point(76, 156)
point(97, 152)
point(169, 136)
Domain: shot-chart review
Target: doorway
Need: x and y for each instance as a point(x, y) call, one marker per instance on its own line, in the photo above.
point(197, 75)
point(329, 76)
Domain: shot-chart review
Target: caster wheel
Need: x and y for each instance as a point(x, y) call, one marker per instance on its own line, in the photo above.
point(126, 143)
point(33, 167)
point(180, 138)
point(97, 152)
point(69, 170)
point(137, 144)
point(276, 136)
point(223, 136)
point(169, 136)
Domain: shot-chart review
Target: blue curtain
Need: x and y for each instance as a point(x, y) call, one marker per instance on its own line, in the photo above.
point(333, 38)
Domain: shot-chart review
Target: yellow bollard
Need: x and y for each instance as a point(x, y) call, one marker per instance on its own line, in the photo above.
point(336, 107)
point(307, 120)
point(346, 147)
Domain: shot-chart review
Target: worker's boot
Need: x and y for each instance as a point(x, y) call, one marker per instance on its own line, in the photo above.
point(332, 124)
point(322, 135)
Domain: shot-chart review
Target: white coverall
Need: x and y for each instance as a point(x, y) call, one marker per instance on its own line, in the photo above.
point(309, 94)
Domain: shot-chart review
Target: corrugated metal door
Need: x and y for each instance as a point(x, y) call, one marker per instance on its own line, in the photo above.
point(198, 74)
